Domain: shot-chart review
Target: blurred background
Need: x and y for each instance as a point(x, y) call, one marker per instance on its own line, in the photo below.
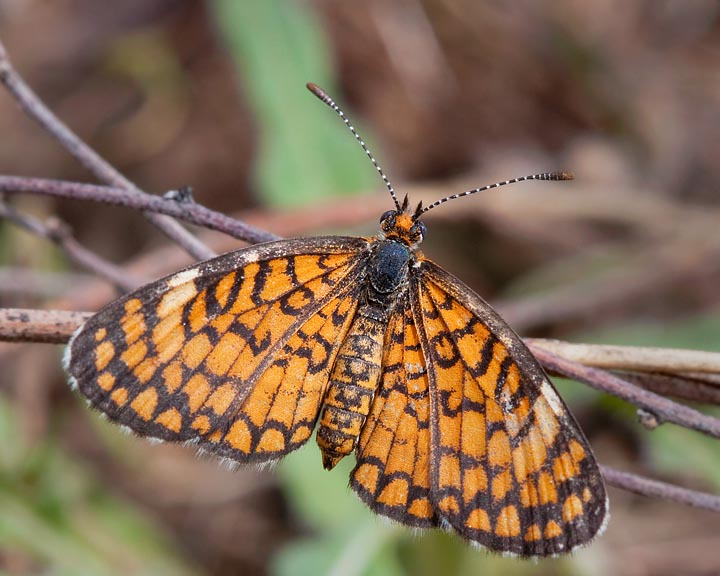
point(450, 95)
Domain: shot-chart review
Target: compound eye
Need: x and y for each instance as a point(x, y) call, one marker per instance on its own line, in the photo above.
point(387, 220)
point(386, 215)
point(418, 231)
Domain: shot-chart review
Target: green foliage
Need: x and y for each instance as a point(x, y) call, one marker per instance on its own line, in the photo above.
point(348, 539)
point(305, 152)
point(55, 514)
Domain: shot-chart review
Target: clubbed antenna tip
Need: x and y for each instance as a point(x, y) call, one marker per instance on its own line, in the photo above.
point(319, 92)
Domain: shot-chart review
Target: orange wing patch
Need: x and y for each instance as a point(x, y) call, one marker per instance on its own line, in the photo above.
point(392, 474)
point(232, 354)
point(279, 413)
point(509, 463)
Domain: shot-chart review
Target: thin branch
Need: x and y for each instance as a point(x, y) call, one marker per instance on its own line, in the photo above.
point(46, 326)
point(655, 488)
point(691, 388)
point(59, 233)
point(188, 211)
point(56, 326)
point(36, 109)
point(636, 358)
point(663, 409)
point(709, 379)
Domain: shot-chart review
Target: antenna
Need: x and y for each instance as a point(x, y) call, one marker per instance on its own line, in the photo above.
point(543, 176)
point(320, 93)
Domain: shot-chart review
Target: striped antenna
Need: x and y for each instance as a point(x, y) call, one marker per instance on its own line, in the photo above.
point(320, 93)
point(543, 176)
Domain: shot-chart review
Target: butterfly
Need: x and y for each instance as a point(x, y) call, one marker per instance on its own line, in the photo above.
point(453, 422)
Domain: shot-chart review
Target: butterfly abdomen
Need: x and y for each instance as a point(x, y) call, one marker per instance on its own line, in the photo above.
point(356, 373)
point(352, 386)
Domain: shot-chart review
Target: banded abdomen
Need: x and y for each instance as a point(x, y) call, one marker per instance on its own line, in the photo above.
point(352, 385)
point(355, 377)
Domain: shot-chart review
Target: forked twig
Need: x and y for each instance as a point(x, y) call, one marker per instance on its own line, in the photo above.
point(698, 387)
point(191, 212)
point(663, 409)
point(637, 358)
point(57, 232)
point(38, 111)
point(56, 326)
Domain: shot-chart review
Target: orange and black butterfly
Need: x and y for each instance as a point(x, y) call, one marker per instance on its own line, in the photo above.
point(453, 422)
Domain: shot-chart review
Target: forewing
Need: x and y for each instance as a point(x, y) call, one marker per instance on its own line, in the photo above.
point(392, 474)
point(510, 468)
point(232, 353)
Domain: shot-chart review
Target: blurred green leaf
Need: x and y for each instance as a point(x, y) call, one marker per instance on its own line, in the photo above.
point(322, 498)
point(305, 153)
point(575, 393)
point(364, 549)
point(681, 451)
point(56, 515)
point(697, 333)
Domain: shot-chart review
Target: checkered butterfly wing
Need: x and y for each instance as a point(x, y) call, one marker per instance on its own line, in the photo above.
point(467, 432)
point(232, 354)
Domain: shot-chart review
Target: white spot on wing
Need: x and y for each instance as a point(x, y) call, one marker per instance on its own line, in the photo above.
point(552, 398)
point(183, 277)
point(72, 381)
point(176, 298)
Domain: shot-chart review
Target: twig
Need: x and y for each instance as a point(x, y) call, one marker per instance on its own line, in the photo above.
point(599, 379)
point(56, 326)
point(688, 374)
point(691, 388)
point(59, 233)
point(188, 211)
point(663, 409)
point(649, 487)
point(47, 326)
point(637, 358)
point(98, 166)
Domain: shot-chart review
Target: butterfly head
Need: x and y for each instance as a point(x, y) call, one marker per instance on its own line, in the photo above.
point(402, 226)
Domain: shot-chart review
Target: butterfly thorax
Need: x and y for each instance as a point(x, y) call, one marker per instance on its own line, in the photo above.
point(388, 268)
point(356, 373)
